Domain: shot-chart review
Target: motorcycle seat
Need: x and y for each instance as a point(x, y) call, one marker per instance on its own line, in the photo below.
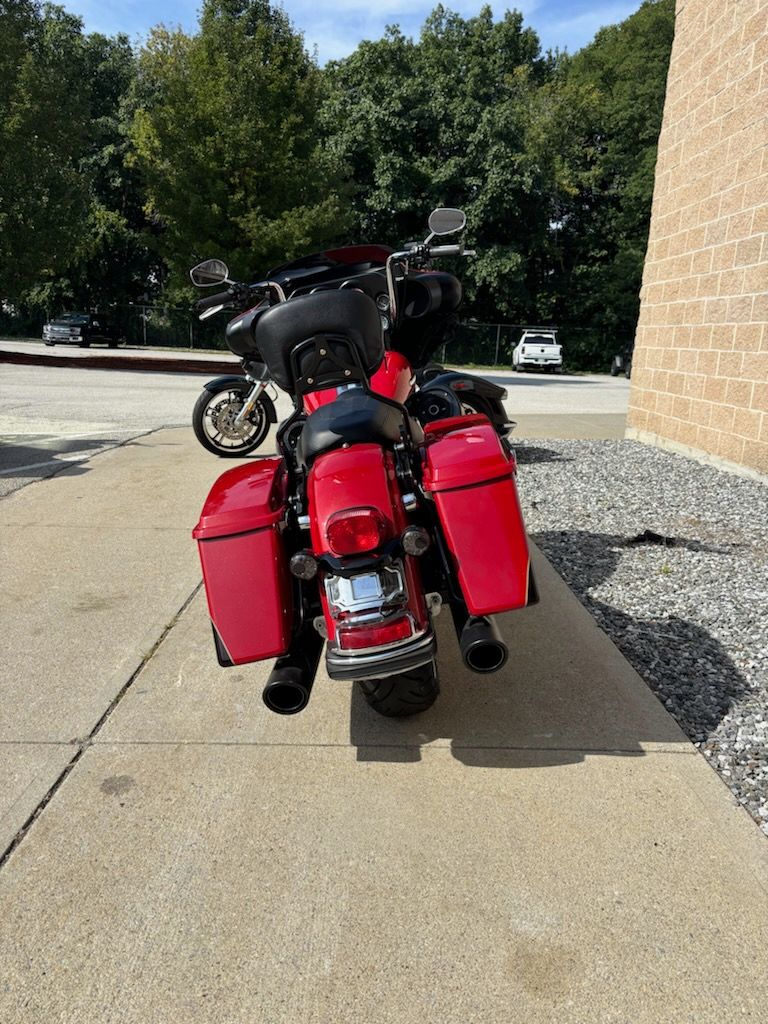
point(355, 417)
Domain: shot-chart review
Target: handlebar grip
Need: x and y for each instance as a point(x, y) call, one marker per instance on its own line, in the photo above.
point(446, 250)
point(219, 299)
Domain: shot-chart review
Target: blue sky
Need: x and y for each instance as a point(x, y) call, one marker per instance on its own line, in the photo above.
point(337, 27)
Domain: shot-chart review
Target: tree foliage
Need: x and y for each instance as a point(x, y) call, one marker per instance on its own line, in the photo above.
point(226, 136)
point(43, 117)
point(118, 168)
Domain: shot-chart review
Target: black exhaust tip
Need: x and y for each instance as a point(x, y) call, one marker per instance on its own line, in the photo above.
point(287, 690)
point(481, 646)
point(290, 682)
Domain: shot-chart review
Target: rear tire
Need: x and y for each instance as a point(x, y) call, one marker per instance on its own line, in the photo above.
point(408, 693)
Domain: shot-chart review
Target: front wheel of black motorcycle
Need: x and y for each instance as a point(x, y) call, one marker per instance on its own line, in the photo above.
point(213, 421)
point(408, 693)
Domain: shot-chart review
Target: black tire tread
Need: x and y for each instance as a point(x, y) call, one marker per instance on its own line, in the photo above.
point(197, 425)
point(408, 693)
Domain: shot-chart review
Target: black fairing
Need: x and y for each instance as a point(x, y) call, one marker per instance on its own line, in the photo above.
point(291, 334)
point(332, 267)
point(482, 395)
point(430, 309)
point(240, 333)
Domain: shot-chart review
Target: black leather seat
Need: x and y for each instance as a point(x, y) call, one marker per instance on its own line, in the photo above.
point(355, 417)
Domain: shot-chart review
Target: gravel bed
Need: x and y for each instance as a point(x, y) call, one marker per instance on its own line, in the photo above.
point(671, 558)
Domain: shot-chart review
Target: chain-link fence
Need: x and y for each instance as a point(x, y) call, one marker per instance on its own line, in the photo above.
point(474, 344)
point(150, 325)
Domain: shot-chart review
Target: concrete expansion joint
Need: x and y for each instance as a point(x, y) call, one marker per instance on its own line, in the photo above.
point(82, 744)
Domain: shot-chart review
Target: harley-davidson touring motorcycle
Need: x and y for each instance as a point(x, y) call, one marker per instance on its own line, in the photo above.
point(391, 497)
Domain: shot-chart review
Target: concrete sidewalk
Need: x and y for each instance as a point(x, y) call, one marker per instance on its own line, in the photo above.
point(543, 845)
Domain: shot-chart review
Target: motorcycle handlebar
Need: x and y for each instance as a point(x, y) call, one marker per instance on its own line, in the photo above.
point(219, 299)
point(446, 250)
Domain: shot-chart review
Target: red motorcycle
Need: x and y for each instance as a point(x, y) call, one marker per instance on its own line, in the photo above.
point(393, 494)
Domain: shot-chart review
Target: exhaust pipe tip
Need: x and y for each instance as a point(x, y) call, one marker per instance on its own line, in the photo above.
point(290, 682)
point(287, 691)
point(481, 645)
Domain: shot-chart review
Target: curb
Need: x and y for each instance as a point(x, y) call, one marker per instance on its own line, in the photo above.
point(172, 364)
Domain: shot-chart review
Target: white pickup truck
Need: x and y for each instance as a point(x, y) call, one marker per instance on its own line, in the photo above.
point(538, 347)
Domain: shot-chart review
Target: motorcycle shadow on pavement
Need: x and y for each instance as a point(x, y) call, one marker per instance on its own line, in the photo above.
point(46, 458)
point(566, 692)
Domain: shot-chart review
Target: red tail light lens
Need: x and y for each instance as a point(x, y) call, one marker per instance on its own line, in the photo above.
point(356, 638)
point(355, 531)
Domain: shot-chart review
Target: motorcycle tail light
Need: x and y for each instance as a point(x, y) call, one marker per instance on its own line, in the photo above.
point(356, 638)
point(355, 531)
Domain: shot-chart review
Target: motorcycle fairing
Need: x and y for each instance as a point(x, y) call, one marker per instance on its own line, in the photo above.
point(245, 567)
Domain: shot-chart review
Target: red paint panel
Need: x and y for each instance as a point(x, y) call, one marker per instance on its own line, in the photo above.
point(462, 454)
point(244, 498)
point(355, 477)
point(245, 568)
point(393, 378)
point(472, 481)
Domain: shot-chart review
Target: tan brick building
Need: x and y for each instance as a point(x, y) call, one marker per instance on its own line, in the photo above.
point(700, 371)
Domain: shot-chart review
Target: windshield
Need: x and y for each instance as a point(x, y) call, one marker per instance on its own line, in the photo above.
point(73, 318)
point(540, 339)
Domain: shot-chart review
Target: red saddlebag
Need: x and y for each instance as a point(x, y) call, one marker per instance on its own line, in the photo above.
point(472, 481)
point(245, 568)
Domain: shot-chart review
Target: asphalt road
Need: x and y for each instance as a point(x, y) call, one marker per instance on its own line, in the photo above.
point(51, 417)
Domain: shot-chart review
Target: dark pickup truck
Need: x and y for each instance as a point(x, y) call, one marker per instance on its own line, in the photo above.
point(80, 329)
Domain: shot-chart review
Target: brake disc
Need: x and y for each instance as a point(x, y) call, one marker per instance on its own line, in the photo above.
point(223, 417)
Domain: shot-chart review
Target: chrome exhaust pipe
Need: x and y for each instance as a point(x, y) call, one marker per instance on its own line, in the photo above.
point(481, 645)
point(290, 682)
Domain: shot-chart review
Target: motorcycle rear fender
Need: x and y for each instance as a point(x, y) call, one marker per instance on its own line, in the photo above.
point(471, 479)
point(245, 565)
point(361, 476)
point(218, 382)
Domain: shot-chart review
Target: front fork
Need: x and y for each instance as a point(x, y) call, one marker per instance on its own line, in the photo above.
point(259, 384)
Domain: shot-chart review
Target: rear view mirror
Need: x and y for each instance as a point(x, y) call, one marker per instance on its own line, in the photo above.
point(209, 273)
point(446, 221)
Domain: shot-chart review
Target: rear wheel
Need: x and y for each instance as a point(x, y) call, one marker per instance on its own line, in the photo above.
point(84, 344)
point(405, 694)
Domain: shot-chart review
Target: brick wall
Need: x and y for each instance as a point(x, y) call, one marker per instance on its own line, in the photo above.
point(700, 369)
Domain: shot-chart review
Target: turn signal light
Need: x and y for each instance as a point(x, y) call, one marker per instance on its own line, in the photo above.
point(357, 638)
point(355, 531)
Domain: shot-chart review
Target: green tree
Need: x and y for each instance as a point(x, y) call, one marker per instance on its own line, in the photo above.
point(443, 121)
point(43, 124)
point(226, 137)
